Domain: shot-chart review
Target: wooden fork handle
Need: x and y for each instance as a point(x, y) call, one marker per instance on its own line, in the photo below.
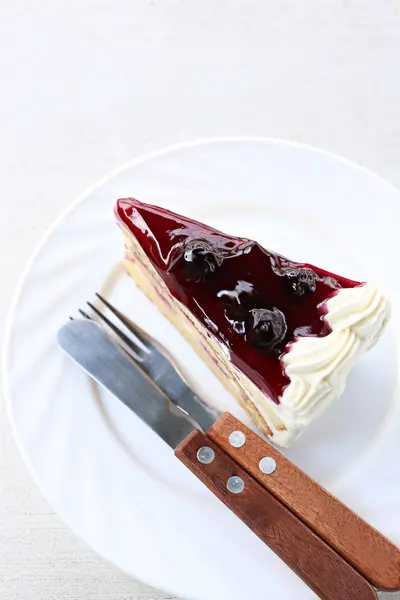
point(359, 543)
point(316, 563)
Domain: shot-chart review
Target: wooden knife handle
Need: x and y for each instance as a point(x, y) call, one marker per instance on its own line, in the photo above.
point(316, 563)
point(359, 543)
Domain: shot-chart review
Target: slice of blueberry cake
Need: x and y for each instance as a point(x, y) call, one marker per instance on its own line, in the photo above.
point(282, 336)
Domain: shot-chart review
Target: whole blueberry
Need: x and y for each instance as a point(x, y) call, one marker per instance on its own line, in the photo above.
point(301, 281)
point(201, 258)
point(266, 328)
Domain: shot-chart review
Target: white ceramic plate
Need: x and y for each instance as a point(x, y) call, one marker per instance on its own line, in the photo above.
point(111, 479)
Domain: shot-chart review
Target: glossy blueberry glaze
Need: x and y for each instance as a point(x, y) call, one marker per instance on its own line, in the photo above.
point(231, 284)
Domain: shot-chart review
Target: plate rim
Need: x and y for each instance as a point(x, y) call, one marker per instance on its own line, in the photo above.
point(12, 311)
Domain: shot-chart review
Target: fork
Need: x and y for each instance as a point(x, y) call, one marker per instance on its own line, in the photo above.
point(153, 360)
point(366, 549)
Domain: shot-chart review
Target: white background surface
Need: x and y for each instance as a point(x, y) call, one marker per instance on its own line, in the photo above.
point(86, 86)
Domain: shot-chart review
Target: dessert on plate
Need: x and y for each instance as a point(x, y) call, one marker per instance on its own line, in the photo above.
point(282, 336)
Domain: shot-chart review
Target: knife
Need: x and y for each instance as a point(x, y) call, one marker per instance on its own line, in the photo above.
point(310, 557)
point(371, 553)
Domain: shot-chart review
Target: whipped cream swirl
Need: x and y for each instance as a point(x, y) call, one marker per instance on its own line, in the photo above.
point(318, 366)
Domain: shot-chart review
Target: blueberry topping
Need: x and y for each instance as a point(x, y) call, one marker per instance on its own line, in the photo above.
point(201, 258)
point(239, 301)
point(265, 328)
point(301, 281)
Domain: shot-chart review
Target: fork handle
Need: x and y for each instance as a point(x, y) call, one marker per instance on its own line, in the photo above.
point(316, 563)
point(359, 543)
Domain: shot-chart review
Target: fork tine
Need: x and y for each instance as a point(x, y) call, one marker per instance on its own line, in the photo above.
point(84, 314)
point(132, 327)
point(128, 341)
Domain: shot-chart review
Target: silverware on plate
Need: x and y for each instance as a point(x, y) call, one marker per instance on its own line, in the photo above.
point(333, 550)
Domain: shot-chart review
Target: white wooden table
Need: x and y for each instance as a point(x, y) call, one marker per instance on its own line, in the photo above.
point(87, 85)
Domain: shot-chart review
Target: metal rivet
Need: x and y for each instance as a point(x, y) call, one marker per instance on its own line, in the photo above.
point(237, 439)
point(235, 485)
point(267, 465)
point(205, 455)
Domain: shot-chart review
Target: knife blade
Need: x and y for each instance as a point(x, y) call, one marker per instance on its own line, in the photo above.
point(156, 363)
point(89, 346)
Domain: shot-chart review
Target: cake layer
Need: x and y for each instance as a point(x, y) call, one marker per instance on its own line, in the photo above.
point(327, 328)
